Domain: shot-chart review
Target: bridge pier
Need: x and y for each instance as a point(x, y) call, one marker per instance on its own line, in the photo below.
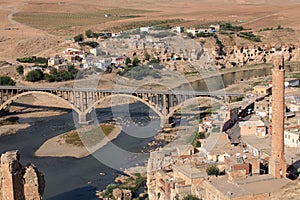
point(83, 119)
point(167, 122)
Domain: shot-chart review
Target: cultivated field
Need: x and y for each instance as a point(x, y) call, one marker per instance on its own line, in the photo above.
point(61, 23)
point(22, 22)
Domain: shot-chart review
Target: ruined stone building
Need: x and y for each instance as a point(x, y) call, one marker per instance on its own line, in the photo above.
point(19, 182)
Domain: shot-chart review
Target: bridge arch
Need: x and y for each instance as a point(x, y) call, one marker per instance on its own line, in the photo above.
point(12, 99)
point(188, 101)
point(90, 108)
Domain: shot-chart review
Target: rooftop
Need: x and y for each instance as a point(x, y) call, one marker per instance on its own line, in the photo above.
point(189, 171)
point(262, 144)
point(249, 186)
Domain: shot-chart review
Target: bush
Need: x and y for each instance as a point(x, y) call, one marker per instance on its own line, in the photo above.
point(20, 69)
point(107, 193)
point(139, 72)
point(202, 34)
point(190, 35)
point(201, 135)
point(34, 75)
point(212, 170)
point(135, 62)
point(229, 27)
point(33, 59)
point(147, 56)
point(90, 43)
point(249, 36)
point(78, 38)
point(191, 197)
point(127, 61)
point(62, 75)
point(89, 33)
point(5, 80)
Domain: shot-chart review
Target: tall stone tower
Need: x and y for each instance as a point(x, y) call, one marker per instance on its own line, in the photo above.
point(277, 164)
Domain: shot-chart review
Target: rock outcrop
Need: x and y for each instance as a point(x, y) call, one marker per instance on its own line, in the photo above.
point(19, 182)
point(122, 194)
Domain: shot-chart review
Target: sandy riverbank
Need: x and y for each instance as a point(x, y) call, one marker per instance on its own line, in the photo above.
point(56, 146)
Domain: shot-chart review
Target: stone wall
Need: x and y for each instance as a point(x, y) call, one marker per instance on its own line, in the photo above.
point(19, 182)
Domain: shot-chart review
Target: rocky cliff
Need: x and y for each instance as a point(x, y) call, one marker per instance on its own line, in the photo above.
point(19, 182)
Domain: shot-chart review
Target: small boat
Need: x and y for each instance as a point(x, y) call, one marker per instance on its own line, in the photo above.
point(102, 174)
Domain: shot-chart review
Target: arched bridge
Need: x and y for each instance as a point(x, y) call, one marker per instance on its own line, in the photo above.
point(84, 100)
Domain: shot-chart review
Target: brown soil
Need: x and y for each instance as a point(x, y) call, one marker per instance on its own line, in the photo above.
point(20, 40)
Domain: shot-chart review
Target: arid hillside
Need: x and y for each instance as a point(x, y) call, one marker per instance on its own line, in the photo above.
point(30, 27)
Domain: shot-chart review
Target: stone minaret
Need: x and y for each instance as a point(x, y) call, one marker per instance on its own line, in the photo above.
point(277, 164)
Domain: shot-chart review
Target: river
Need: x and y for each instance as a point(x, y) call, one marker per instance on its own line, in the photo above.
point(71, 178)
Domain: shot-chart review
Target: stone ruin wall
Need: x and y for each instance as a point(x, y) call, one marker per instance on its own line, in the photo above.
point(19, 182)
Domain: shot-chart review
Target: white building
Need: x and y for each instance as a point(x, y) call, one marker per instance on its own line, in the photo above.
point(178, 29)
point(100, 64)
point(292, 138)
point(145, 29)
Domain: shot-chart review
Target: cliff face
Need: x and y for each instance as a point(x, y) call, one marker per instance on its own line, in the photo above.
point(234, 56)
point(19, 182)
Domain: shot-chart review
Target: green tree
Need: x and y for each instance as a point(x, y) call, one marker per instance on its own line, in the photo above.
point(34, 75)
point(190, 197)
point(127, 61)
point(198, 144)
point(212, 170)
point(190, 35)
point(5, 80)
point(147, 56)
point(20, 69)
point(78, 38)
point(135, 62)
point(89, 33)
point(107, 193)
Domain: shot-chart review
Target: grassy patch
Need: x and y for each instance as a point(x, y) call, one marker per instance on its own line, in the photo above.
point(88, 136)
point(55, 21)
point(132, 25)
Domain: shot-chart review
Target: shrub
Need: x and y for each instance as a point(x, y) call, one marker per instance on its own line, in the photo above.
point(212, 170)
point(107, 193)
point(190, 197)
point(5, 80)
point(249, 36)
point(147, 56)
point(20, 69)
point(33, 59)
point(62, 75)
point(202, 34)
point(90, 43)
point(78, 38)
point(89, 33)
point(127, 61)
point(154, 61)
point(139, 72)
point(135, 62)
point(34, 75)
point(229, 27)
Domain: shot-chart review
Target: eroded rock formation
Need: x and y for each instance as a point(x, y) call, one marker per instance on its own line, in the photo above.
point(19, 182)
